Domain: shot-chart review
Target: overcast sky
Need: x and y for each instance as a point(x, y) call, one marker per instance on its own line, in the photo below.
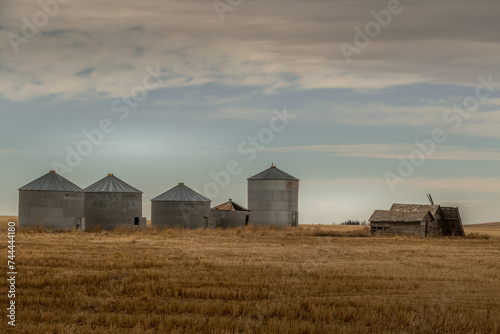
point(181, 88)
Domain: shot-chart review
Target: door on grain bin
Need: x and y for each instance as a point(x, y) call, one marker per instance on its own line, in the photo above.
point(294, 218)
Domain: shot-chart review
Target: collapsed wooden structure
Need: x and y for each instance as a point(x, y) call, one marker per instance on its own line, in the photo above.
point(418, 219)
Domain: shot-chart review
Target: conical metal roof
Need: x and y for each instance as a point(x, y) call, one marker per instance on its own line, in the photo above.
point(180, 193)
point(273, 173)
point(111, 184)
point(229, 206)
point(52, 182)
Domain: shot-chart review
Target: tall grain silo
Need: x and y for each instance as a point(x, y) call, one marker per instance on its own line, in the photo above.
point(273, 198)
point(230, 214)
point(180, 206)
point(110, 202)
point(51, 201)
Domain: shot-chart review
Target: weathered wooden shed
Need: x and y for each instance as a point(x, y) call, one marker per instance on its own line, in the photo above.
point(401, 222)
point(230, 214)
point(445, 220)
point(450, 222)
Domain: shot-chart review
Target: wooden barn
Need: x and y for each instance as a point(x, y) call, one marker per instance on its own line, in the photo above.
point(417, 219)
point(401, 222)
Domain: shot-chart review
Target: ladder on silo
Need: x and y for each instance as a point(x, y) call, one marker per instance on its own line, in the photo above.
point(289, 191)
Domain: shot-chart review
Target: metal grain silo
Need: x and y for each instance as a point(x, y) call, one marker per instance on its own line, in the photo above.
point(51, 201)
point(180, 206)
point(273, 198)
point(230, 214)
point(110, 202)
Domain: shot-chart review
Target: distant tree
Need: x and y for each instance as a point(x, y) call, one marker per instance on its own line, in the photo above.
point(351, 222)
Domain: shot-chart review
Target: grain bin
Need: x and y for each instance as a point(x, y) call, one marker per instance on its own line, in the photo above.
point(230, 214)
point(110, 202)
point(273, 198)
point(51, 201)
point(180, 206)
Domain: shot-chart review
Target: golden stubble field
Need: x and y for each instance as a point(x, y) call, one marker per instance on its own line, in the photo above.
point(254, 280)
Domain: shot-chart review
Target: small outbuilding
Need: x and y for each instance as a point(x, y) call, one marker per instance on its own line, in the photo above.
point(401, 222)
point(182, 207)
point(401, 219)
point(111, 202)
point(53, 202)
point(230, 214)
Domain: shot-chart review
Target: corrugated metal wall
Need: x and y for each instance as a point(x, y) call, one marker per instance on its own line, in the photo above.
point(54, 209)
point(274, 202)
point(110, 210)
point(225, 219)
point(180, 214)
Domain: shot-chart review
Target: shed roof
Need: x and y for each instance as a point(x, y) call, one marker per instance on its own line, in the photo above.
point(433, 209)
point(51, 182)
point(111, 184)
point(389, 216)
point(273, 173)
point(229, 206)
point(180, 193)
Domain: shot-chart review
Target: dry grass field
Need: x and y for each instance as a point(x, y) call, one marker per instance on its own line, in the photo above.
point(254, 280)
point(492, 229)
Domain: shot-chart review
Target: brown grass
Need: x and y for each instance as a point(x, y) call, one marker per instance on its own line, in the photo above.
point(4, 220)
point(491, 229)
point(476, 235)
point(254, 280)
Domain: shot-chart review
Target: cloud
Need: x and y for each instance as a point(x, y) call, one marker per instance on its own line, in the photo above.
point(467, 203)
point(57, 33)
point(377, 114)
point(464, 185)
point(135, 28)
point(26, 152)
point(394, 151)
point(274, 45)
point(461, 184)
point(86, 72)
point(330, 183)
point(241, 113)
point(482, 124)
point(162, 153)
